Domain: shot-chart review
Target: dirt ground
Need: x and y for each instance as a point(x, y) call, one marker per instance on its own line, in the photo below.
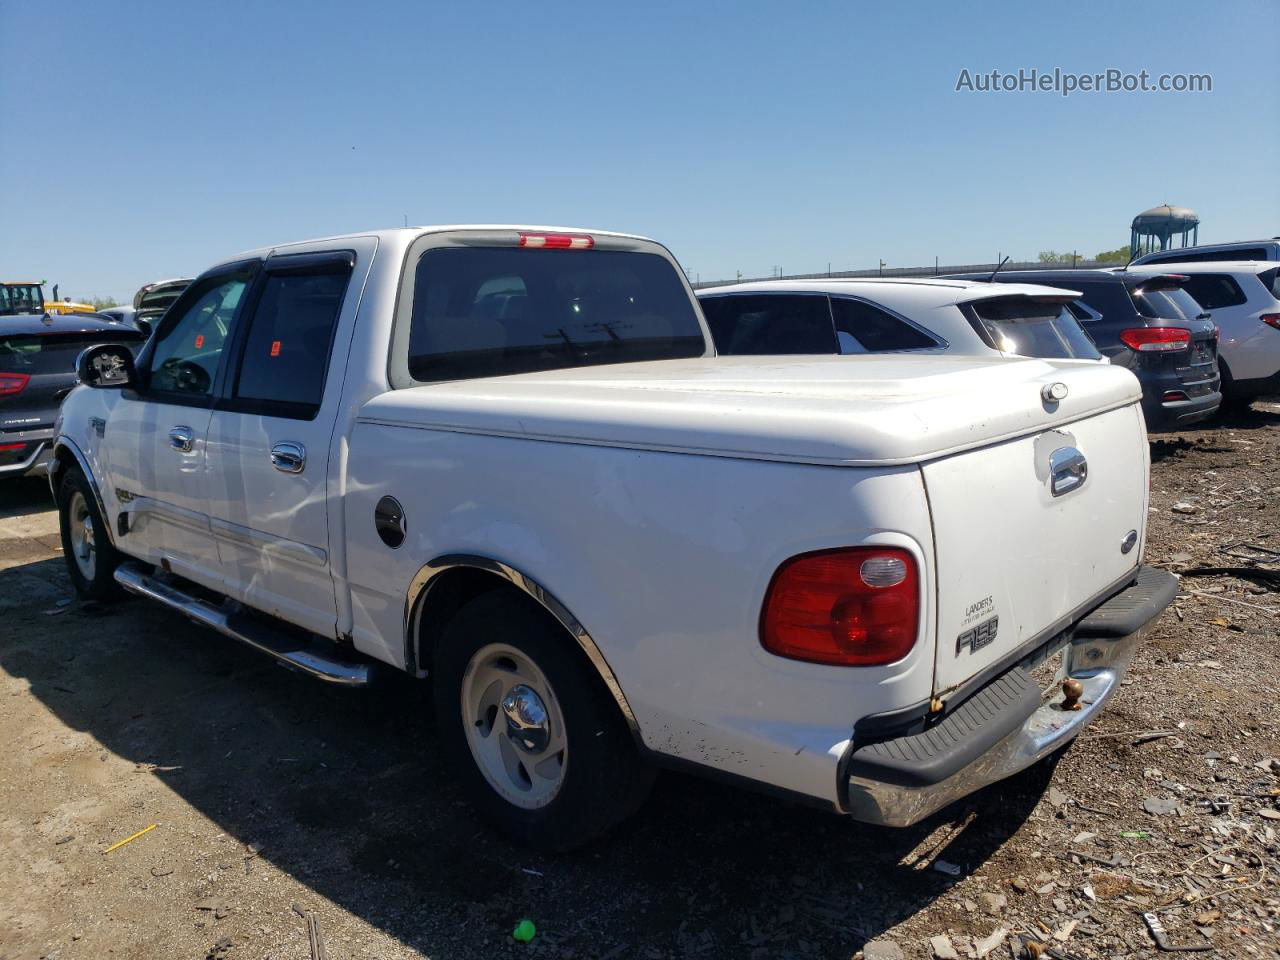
point(276, 799)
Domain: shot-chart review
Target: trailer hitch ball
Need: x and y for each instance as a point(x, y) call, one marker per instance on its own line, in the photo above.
point(1072, 690)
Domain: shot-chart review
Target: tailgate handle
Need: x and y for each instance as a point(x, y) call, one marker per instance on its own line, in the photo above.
point(1068, 470)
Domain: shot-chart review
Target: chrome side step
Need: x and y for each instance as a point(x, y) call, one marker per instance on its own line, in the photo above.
point(310, 659)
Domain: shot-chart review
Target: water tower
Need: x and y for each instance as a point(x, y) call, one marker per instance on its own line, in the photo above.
point(1157, 228)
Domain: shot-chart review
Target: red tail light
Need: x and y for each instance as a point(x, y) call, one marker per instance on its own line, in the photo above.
point(12, 383)
point(1271, 319)
point(1156, 339)
point(12, 447)
point(855, 607)
point(557, 241)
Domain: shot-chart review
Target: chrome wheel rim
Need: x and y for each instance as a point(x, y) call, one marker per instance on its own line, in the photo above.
point(514, 726)
point(84, 550)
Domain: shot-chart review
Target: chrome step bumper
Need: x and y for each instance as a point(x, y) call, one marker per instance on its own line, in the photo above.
point(1007, 726)
point(309, 658)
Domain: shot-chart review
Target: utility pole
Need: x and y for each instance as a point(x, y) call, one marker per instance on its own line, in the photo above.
point(882, 268)
point(935, 264)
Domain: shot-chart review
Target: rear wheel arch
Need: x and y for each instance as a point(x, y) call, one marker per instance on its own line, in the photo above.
point(443, 586)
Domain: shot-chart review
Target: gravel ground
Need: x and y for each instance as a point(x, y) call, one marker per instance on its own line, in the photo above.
point(281, 805)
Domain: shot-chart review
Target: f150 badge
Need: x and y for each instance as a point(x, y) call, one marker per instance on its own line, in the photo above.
point(978, 637)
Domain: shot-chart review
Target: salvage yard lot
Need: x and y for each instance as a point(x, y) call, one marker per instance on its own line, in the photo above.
point(274, 796)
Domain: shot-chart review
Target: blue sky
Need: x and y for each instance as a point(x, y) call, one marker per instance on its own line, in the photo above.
point(147, 140)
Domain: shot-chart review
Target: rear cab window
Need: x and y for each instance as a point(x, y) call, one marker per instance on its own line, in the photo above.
point(1031, 328)
point(484, 311)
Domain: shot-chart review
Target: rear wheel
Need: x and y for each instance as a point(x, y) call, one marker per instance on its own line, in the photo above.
point(542, 749)
point(1233, 404)
point(86, 546)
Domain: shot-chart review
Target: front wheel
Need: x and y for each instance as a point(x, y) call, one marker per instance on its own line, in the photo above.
point(541, 747)
point(86, 545)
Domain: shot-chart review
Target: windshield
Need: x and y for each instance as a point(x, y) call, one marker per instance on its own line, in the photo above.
point(20, 298)
point(1166, 303)
point(1031, 329)
point(490, 311)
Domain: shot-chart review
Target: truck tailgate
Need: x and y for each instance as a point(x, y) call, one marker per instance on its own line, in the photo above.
point(1014, 555)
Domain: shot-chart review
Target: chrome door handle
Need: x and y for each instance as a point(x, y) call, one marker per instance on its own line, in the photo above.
point(1068, 470)
point(181, 438)
point(289, 457)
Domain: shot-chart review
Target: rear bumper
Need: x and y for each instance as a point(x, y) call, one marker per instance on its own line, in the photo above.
point(1007, 725)
point(34, 460)
point(1163, 414)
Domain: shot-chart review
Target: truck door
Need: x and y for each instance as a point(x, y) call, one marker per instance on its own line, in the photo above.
point(270, 437)
point(155, 439)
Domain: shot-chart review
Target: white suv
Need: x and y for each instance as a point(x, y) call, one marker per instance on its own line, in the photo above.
point(1243, 298)
point(895, 315)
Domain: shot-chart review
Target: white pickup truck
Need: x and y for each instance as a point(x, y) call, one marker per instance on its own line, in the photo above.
point(507, 460)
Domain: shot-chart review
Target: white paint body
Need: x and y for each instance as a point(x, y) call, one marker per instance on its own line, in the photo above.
point(929, 302)
point(655, 501)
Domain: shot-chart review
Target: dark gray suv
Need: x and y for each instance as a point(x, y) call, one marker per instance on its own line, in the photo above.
point(37, 369)
point(1151, 325)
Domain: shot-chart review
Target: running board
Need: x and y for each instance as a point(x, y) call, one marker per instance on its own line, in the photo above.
point(330, 667)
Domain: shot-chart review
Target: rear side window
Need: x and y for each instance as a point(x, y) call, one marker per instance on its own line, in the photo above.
point(289, 340)
point(41, 354)
point(1030, 329)
point(1166, 302)
point(1271, 280)
point(1082, 312)
point(864, 328)
point(490, 311)
point(1214, 290)
point(770, 323)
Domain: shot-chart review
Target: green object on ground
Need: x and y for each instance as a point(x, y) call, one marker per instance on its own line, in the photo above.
point(524, 931)
point(1135, 834)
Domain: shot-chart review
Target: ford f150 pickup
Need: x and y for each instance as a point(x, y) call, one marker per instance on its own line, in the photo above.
point(507, 460)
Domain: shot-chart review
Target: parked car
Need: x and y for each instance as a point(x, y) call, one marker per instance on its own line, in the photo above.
point(507, 460)
point(37, 369)
point(1147, 324)
point(120, 314)
point(1240, 250)
point(150, 302)
point(1244, 299)
point(894, 315)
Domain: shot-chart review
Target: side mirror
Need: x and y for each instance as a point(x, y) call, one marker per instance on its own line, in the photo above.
point(106, 366)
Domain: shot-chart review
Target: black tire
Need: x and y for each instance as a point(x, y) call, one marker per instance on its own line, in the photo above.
point(604, 777)
point(1233, 403)
point(75, 494)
